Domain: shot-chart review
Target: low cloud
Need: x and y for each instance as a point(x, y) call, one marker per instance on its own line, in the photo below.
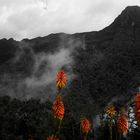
point(46, 66)
point(41, 82)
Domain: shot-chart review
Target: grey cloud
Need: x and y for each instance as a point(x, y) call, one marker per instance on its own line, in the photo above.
point(28, 18)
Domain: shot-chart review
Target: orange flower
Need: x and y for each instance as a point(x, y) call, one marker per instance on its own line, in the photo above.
point(85, 125)
point(137, 107)
point(110, 110)
point(122, 123)
point(52, 137)
point(30, 137)
point(58, 108)
point(61, 79)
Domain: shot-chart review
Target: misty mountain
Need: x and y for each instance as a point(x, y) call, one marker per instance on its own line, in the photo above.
point(103, 67)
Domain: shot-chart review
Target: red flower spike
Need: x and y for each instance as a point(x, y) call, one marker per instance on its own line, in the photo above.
point(122, 123)
point(85, 125)
point(58, 108)
point(137, 108)
point(52, 137)
point(61, 79)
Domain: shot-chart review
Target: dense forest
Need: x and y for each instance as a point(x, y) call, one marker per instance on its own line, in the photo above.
point(34, 120)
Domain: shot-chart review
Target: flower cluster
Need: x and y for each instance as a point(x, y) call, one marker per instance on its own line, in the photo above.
point(137, 108)
point(122, 123)
point(52, 137)
point(58, 108)
point(85, 125)
point(110, 110)
point(61, 79)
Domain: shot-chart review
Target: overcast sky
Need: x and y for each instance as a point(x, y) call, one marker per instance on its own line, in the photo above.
point(31, 18)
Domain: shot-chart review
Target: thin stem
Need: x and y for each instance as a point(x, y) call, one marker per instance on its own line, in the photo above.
point(85, 136)
point(120, 136)
point(110, 128)
point(59, 122)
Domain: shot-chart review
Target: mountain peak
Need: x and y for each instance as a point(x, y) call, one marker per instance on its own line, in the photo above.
point(126, 23)
point(130, 16)
point(132, 8)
